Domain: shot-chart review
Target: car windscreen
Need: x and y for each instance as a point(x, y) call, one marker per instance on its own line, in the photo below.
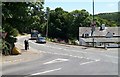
point(34, 34)
point(41, 38)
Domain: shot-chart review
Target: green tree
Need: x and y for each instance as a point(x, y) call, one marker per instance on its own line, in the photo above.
point(66, 25)
point(111, 19)
point(22, 15)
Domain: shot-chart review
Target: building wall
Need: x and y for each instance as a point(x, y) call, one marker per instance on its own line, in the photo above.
point(97, 33)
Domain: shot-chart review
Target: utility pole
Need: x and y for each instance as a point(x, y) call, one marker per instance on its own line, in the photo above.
point(93, 25)
point(47, 12)
point(93, 11)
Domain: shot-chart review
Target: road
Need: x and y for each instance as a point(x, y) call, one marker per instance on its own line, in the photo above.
point(59, 59)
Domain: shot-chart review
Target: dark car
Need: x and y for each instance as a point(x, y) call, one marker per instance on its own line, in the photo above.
point(41, 40)
point(34, 34)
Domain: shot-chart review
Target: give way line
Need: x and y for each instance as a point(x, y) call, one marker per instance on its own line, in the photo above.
point(39, 73)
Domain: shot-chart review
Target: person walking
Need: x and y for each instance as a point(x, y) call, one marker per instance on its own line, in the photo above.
point(25, 43)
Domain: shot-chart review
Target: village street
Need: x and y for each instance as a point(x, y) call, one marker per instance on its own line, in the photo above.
point(60, 59)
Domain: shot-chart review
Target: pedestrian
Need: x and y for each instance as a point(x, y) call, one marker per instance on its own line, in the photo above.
point(25, 43)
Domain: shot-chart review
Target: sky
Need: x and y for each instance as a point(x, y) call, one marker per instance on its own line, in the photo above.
point(101, 6)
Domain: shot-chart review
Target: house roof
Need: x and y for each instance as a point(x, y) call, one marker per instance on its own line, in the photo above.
point(99, 32)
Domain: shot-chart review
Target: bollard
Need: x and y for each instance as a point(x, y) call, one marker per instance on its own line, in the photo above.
point(105, 46)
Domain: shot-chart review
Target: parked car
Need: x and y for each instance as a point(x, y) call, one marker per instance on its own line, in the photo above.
point(41, 40)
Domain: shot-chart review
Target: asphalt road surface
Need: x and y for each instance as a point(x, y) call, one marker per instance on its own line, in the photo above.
point(58, 59)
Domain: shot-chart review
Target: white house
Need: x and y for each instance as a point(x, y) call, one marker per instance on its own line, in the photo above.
point(100, 34)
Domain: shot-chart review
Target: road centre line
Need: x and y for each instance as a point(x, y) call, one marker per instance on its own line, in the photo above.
point(71, 55)
point(68, 55)
point(78, 51)
point(59, 48)
point(75, 51)
point(46, 71)
point(75, 56)
point(62, 48)
point(89, 62)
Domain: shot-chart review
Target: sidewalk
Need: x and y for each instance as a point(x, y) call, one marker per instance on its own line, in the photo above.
point(25, 56)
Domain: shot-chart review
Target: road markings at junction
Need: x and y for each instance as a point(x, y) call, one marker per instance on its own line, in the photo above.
point(46, 71)
point(56, 61)
point(68, 55)
point(57, 47)
point(89, 62)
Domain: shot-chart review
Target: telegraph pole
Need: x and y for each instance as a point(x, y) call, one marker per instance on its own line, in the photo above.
point(93, 24)
point(93, 11)
point(47, 11)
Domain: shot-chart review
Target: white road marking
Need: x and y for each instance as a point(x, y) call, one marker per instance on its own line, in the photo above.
point(56, 61)
point(89, 62)
point(58, 48)
point(46, 71)
point(68, 55)
point(75, 51)
point(111, 56)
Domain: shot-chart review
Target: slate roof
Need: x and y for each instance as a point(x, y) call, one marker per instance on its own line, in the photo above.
point(97, 31)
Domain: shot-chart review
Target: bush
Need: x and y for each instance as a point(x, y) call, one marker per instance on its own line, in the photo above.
point(14, 32)
point(6, 48)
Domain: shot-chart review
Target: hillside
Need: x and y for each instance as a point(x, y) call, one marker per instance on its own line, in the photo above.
point(115, 16)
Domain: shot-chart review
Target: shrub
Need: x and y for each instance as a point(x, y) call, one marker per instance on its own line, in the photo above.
point(14, 32)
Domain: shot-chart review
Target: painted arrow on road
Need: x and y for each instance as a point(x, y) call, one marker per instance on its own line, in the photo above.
point(56, 61)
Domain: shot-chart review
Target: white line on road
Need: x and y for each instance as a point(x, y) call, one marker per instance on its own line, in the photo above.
point(56, 61)
point(76, 51)
point(58, 48)
point(46, 71)
point(68, 55)
point(89, 62)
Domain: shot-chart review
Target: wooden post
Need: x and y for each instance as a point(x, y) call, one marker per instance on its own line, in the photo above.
point(105, 46)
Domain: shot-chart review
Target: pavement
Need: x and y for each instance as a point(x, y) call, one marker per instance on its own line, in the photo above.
point(26, 55)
